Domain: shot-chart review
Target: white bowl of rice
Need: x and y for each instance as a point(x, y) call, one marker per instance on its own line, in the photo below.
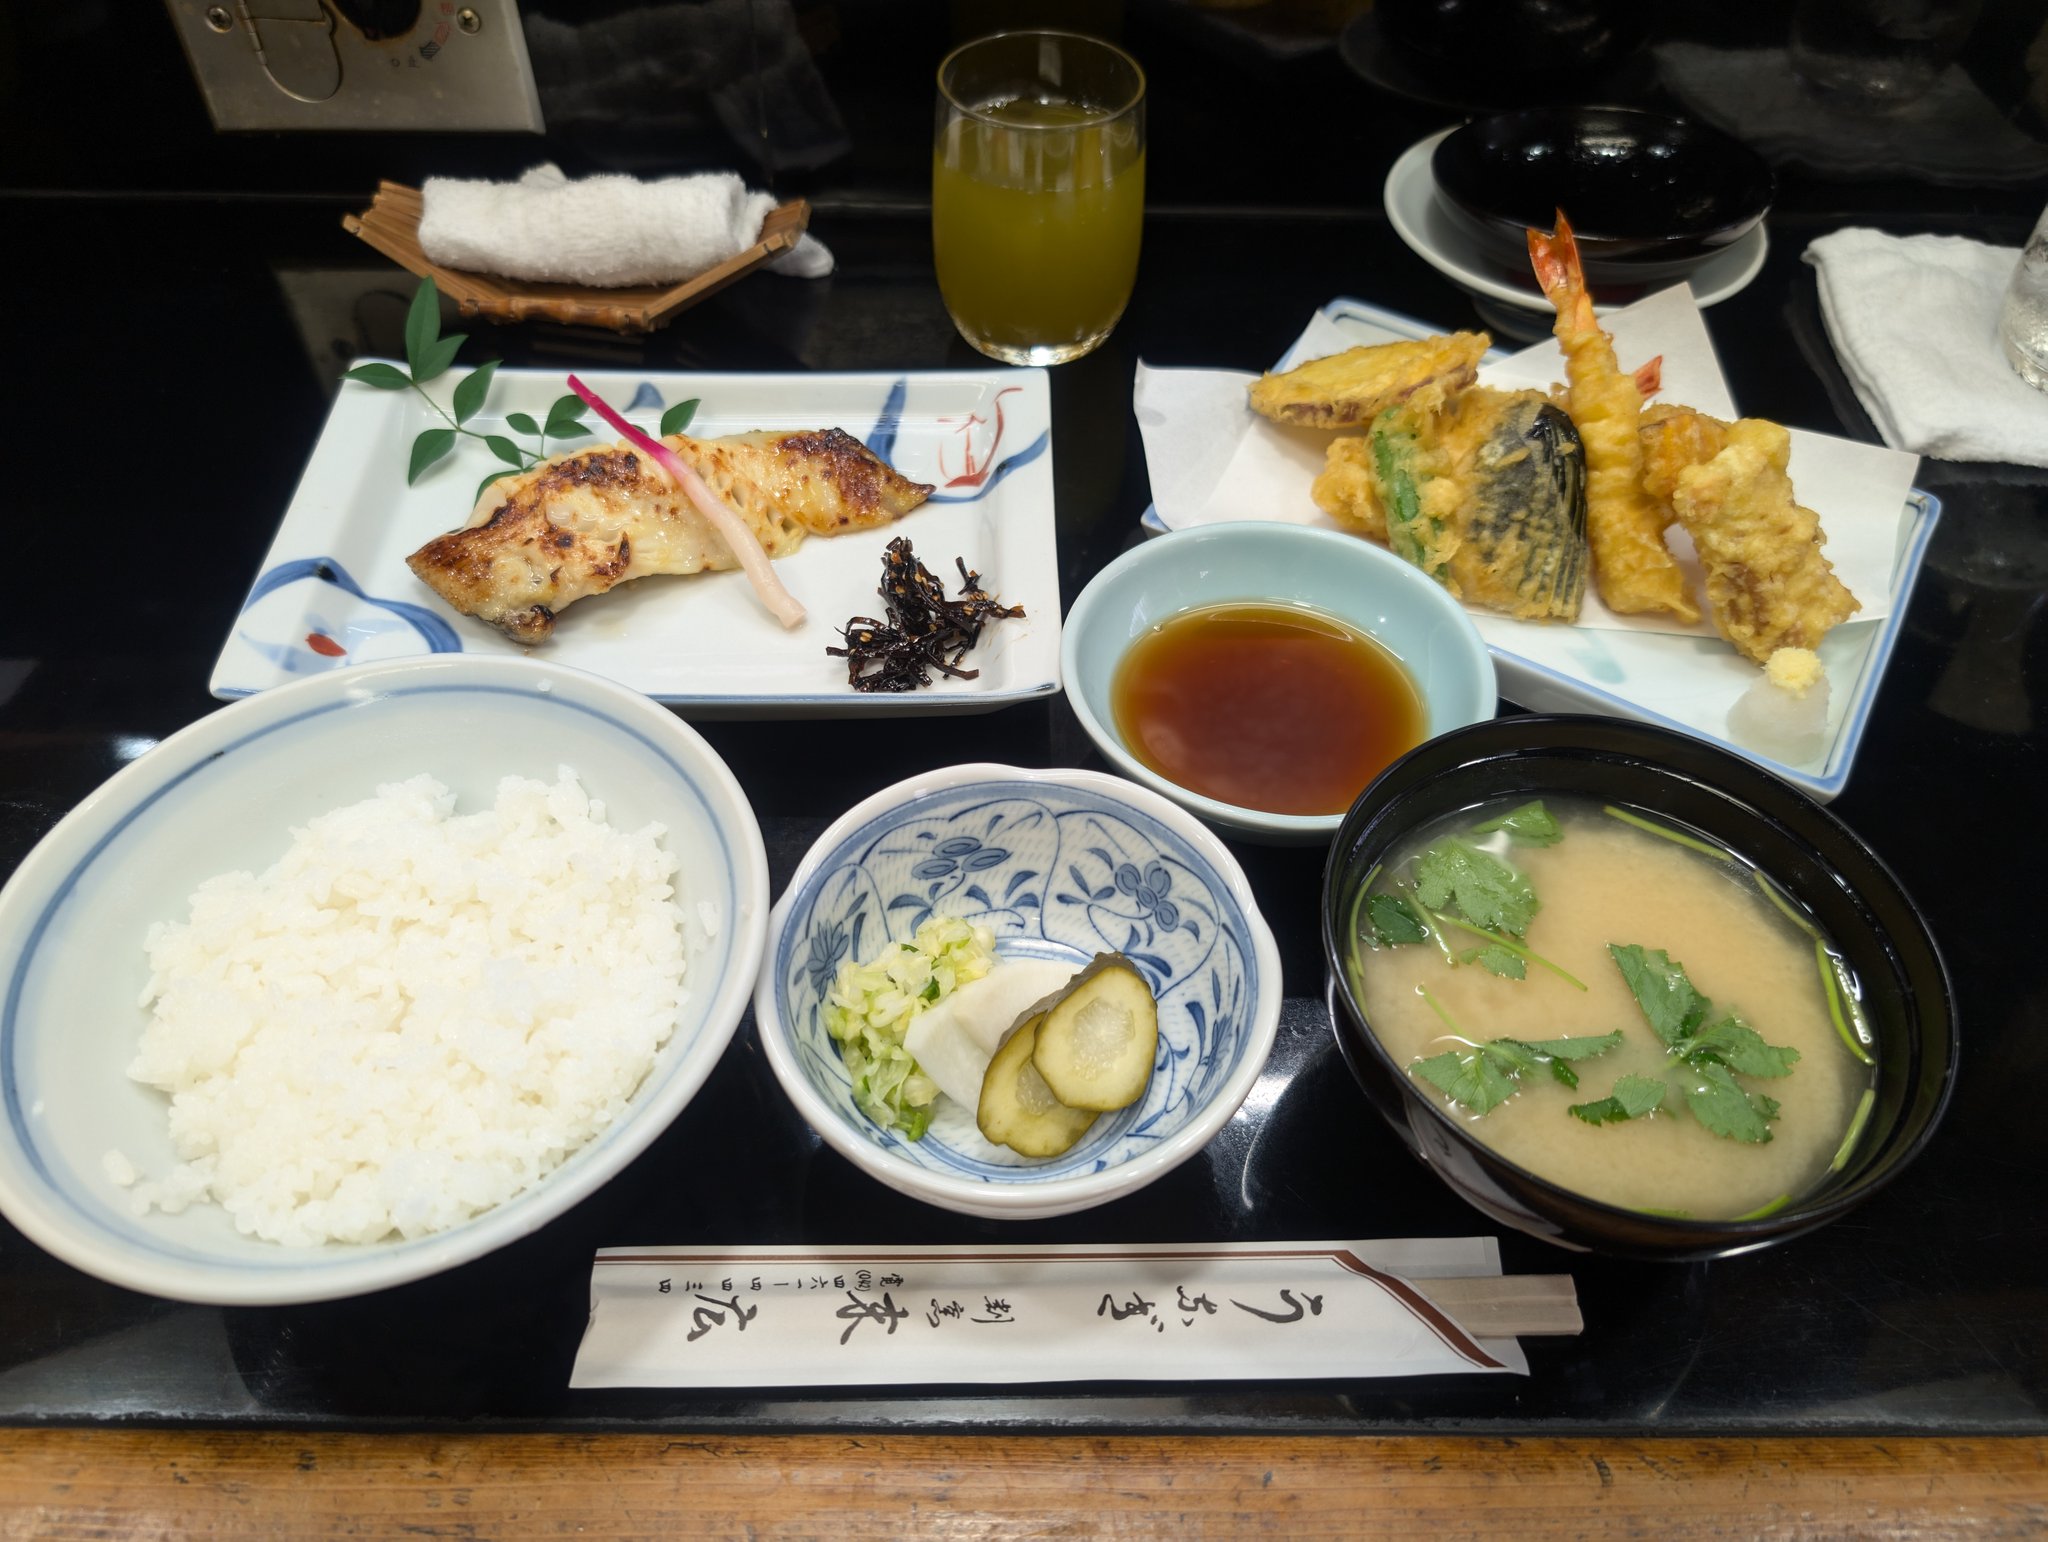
point(364, 977)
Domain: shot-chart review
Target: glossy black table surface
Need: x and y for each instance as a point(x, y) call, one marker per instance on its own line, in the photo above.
point(175, 414)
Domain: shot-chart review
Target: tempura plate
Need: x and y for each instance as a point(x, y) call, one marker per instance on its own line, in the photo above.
point(1681, 682)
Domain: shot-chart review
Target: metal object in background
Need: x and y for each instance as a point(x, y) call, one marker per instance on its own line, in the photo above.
point(360, 64)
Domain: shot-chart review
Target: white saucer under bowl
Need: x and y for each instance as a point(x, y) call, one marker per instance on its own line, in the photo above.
point(1416, 210)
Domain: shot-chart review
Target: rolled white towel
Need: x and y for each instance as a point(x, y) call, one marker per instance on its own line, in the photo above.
point(606, 231)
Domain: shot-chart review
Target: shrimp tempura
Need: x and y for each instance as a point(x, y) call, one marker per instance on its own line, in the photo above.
point(1635, 571)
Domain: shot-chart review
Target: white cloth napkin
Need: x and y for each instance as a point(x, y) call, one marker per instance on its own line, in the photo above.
point(1914, 320)
point(605, 231)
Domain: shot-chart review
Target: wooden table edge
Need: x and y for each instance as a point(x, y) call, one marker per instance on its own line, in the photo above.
point(127, 1481)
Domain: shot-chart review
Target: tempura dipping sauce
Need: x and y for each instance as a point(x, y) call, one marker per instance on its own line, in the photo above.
point(1269, 707)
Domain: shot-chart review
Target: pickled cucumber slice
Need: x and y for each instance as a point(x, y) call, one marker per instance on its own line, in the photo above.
point(1096, 1045)
point(1017, 1109)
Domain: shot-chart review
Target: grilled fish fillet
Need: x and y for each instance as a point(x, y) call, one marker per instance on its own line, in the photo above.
point(584, 522)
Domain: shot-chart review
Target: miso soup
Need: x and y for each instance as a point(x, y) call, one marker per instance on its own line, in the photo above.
point(1647, 958)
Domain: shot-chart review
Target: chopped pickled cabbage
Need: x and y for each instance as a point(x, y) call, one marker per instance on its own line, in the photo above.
point(871, 1005)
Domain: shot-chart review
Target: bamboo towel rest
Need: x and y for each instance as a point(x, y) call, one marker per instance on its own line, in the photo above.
point(392, 225)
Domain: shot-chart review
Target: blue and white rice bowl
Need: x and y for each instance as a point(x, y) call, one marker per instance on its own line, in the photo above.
point(223, 794)
point(1059, 865)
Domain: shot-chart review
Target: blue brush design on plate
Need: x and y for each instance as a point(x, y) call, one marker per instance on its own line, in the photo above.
point(882, 439)
point(1023, 457)
point(1054, 872)
point(646, 398)
point(437, 634)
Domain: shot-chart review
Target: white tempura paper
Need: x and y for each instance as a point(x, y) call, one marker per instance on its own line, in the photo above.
point(992, 1315)
point(1212, 459)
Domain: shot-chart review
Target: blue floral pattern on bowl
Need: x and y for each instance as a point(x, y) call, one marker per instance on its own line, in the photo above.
point(1055, 871)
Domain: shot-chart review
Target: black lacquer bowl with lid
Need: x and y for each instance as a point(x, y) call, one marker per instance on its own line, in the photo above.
point(1813, 856)
point(1651, 197)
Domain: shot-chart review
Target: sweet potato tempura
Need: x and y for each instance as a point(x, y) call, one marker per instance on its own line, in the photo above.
point(1354, 387)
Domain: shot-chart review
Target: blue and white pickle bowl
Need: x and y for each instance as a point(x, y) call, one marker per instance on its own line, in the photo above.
point(1058, 864)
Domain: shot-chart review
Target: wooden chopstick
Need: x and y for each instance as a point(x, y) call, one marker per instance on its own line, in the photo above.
point(1508, 1305)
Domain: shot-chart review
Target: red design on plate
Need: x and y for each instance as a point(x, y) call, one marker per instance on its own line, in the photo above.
point(325, 646)
point(976, 469)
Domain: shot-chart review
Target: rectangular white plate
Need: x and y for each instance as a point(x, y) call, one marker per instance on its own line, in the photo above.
point(1683, 683)
point(335, 589)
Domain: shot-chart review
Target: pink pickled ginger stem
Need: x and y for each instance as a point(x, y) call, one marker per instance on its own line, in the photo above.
point(738, 535)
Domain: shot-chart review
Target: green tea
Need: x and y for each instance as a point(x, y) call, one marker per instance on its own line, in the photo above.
point(1037, 209)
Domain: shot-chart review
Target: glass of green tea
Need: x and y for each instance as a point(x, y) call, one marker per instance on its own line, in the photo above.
point(1038, 192)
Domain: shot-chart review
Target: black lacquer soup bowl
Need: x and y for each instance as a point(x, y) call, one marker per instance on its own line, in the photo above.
point(1812, 855)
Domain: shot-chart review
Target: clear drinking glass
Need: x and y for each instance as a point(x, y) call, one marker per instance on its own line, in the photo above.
point(2023, 324)
point(1038, 192)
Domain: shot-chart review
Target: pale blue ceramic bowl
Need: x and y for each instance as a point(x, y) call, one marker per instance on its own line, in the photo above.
point(224, 794)
point(1325, 570)
point(1060, 865)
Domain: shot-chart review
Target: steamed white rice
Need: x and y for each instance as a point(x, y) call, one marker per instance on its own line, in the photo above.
point(413, 1016)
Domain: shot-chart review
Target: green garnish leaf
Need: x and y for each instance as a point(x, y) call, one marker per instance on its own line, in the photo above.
point(487, 483)
point(521, 423)
point(428, 448)
point(1708, 1056)
point(677, 418)
point(1632, 1098)
point(440, 355)
point(422, 326)
point(565, 417)
point(1490, 893)
point(1511, 1055)
point(1532, 825)
point(1562, 1072)
point(470, 392)
point(1714, 1097)
point(505, 450)
point(1741, 1048)
point(1474, 1080)
point(1496, 959)
point(1661, 989)
point(1484, 1077)
point(385, 377)
point(1584, 1047)
point(1393, 920)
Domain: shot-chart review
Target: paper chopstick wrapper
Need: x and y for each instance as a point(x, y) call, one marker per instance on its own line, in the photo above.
point(987, 1315)
point(1212, 459)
